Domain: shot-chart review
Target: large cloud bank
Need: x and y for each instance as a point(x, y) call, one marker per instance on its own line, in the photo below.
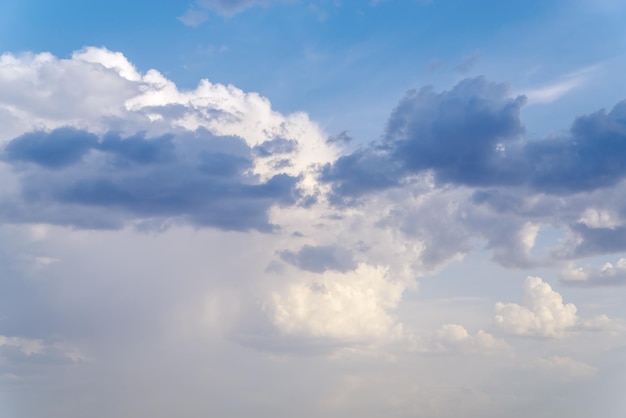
point(276, 238)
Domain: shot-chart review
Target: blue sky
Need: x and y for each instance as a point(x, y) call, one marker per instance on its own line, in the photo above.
point(283, 208)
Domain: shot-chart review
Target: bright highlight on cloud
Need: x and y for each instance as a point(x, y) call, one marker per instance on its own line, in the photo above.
point(350, 306)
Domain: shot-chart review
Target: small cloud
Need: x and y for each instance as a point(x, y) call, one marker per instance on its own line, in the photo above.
point(455, 338)
point(568, 367)
point(341, 138)
point(198, 12)
point(596, 218)
point(542, 313)
point(25, 345)
point(194, 17)
point(551, 92)
point(608, 275)
point(318, 259)
point(435, 65)
point(467, 63)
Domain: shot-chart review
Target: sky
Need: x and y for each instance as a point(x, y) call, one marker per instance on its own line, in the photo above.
point(279, 208)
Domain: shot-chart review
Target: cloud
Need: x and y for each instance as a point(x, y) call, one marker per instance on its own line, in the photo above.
point(472, 135)
point(570, 368)
point(318, 259)
point(467, 63)
point(455, 338)
point(608, 275)
point(197, 13)
point(542, 313)
point(342, 137)
point(454, 133)
point(144, 152)
point(56, 149)
point(201, 179)
point(353, 306)
point(194, 16)
point(25, 345)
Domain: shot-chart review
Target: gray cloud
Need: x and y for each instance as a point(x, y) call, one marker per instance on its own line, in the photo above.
point(318, 259)
point(594, 241)
point(71, 177)
point(342, 137)
point(472, 135)
point(56, 149)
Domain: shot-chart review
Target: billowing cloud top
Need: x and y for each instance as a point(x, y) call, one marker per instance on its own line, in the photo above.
point(132, 147)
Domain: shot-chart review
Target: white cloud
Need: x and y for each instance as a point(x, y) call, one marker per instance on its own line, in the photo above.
point(40, 91)
point(27, 346)
point(353, 306)
point(455, 338)
point(602, 323)
point(607, 275)
point(542, 313)
point(596, 218)
point(551, 92)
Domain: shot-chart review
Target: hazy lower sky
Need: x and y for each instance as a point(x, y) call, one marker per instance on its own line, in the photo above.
point(312, 208)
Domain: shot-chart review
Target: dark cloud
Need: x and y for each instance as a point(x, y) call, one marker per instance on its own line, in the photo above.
point(341, 138)
point(366, 170)
point(54, 150)
point(276, 146)
point(455, 133)
point(320, 258)
point(592, 155)
point(198, 178)
point(593, 241)
point(138, 149)
point(472, 135)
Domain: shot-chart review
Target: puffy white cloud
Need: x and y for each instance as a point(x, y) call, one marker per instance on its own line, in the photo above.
point(455, 338)
point(353, 306)
point(597, 218)
point(40, 91)
point(64, 115)
point(542, 313)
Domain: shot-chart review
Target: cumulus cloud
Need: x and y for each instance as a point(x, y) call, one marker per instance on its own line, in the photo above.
point(542, 312)
point(201, 179)
point(472, 135)
point(143, 151)
point(354, 306)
